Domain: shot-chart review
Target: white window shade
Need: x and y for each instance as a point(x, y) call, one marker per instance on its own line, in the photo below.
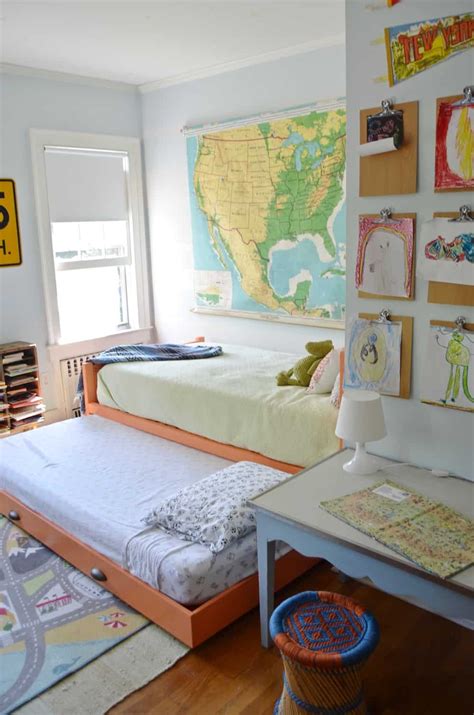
point(86, 185)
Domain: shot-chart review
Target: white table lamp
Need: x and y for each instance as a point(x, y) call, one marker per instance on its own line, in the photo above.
point(361, 420)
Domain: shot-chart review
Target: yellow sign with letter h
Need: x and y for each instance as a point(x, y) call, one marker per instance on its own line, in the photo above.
point(10, 252)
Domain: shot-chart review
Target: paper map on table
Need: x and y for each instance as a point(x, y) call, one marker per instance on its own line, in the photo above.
point(428, 533)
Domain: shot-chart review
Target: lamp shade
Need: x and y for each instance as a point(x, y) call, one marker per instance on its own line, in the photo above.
point(361, 417)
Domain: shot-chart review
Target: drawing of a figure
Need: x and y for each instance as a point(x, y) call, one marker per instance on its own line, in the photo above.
point(458, 356)
point(385, 256)
point(385, 266)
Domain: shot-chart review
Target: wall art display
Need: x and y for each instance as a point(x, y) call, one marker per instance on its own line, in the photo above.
point(385, 252)
point(448, 379)
point(416, 46)
point(454, 159)
point(268, 215)
point(446, 251)
point(373, 356)
point(387, 124)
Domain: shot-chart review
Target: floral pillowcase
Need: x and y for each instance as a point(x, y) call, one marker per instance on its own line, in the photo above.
point(214, 511)
point(324, 377)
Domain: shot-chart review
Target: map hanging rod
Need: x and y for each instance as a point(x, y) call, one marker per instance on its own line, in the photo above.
point(327, 105)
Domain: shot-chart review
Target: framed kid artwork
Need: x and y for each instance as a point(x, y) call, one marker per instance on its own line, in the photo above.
point(454, 158)
point(385, 254)
point(448, 379)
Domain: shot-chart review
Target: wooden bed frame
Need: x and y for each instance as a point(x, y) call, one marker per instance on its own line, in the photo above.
point(191, 625)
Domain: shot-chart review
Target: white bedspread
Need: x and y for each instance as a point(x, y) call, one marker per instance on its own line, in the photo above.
point(233, 399)
point(98, 479)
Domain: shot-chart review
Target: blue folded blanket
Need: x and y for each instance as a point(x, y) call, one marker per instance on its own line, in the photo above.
point(152, 353)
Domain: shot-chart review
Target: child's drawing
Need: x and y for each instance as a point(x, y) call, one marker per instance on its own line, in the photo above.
point(454, 147)
point(447, 251)
point(373, 356)
point(385, 257)
point(446, 370)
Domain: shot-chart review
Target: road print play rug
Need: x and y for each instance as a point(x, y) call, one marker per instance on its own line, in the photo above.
point(428, 533)
point(53, 619)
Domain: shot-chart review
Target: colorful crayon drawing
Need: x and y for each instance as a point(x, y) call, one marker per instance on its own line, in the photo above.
point(454, 170)
point(385, 257)
point(414, 47)
point(447, 381)
point(447, 251)
point(373, 356)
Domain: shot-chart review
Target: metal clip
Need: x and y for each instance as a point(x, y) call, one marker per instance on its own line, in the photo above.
point(464, 215)
point(387, 110)
point(385, 316)
point(468, 97)
point(385, 216)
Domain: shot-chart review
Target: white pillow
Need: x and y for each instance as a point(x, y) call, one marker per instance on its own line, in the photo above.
point(335, 398)
point(214, 511)
point(324, 376)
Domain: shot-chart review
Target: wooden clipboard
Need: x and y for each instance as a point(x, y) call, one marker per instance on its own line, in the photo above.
point(364, 294)
point(394, 172)
point(405, 350)
point(450, 293)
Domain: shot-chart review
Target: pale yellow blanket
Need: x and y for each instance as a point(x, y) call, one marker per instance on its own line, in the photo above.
point(232, 399)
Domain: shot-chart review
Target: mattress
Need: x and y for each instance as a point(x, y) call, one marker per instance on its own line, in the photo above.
point(232, 399)
point(98, 479)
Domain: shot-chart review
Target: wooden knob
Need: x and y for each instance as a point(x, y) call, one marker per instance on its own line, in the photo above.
point(98, 575)
point(13, 516)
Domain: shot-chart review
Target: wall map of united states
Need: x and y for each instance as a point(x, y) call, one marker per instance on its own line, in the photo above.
point(268, 214)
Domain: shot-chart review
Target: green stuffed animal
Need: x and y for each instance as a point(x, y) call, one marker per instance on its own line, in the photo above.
point(302, 372)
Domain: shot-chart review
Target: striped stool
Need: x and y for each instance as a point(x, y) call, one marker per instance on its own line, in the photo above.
point(324, 640)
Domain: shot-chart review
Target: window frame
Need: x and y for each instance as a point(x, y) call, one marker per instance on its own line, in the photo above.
point(43, 138)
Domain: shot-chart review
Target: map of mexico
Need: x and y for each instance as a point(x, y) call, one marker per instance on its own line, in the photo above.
point(267, 206)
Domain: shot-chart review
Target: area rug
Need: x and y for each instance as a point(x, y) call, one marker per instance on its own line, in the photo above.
point(54, 621)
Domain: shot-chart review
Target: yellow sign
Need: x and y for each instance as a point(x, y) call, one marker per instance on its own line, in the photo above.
point(10, 252)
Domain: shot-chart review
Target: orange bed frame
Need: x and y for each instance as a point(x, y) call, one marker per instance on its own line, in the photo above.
point(191, 625)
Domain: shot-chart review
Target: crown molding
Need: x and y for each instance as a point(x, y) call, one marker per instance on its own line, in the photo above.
point(11, 69)
point(212, 70)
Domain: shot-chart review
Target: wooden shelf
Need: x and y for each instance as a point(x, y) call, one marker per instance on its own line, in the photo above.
point(20, 390)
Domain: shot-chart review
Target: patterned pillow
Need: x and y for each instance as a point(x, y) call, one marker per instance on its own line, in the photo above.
point(324, 376)
point(335, 398)
point(214, 511)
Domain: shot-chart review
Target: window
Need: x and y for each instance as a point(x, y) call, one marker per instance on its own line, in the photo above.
point(90, 213)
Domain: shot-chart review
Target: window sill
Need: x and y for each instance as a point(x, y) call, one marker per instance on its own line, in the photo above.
point(83, 347)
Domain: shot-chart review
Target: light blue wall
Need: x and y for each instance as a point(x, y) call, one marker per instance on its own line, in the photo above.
point(31, 102)
point(424, 434)
point(266, 87)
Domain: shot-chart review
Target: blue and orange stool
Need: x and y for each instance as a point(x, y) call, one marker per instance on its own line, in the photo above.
point(324, 640)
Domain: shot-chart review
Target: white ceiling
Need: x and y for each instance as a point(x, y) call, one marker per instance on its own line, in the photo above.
point(139, 42)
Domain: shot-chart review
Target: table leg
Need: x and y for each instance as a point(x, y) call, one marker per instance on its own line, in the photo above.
point(266, 583)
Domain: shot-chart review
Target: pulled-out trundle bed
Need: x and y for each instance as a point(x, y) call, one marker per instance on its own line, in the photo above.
point(83, 487)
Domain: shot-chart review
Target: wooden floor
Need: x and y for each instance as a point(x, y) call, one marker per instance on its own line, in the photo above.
point(424, 664)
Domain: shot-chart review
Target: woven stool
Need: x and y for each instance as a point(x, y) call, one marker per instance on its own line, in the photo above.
point(324, 640)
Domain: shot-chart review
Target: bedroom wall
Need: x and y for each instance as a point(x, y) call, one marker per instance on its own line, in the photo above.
point(262, 88)
point(27, 102)
point(424, 434)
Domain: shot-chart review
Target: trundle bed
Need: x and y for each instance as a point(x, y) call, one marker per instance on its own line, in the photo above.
point(49, 486)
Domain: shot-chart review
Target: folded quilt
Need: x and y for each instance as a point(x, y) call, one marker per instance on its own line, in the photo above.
point(148, 353)
point(214, 511)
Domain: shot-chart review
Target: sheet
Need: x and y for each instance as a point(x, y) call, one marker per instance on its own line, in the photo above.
point(98, 479)
point(232, 399)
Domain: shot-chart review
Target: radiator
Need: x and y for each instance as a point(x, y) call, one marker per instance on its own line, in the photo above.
point(70, 371)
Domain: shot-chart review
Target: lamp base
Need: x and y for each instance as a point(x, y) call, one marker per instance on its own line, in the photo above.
point(361, 462)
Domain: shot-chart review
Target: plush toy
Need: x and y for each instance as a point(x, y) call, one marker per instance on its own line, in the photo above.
point(301, 373)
